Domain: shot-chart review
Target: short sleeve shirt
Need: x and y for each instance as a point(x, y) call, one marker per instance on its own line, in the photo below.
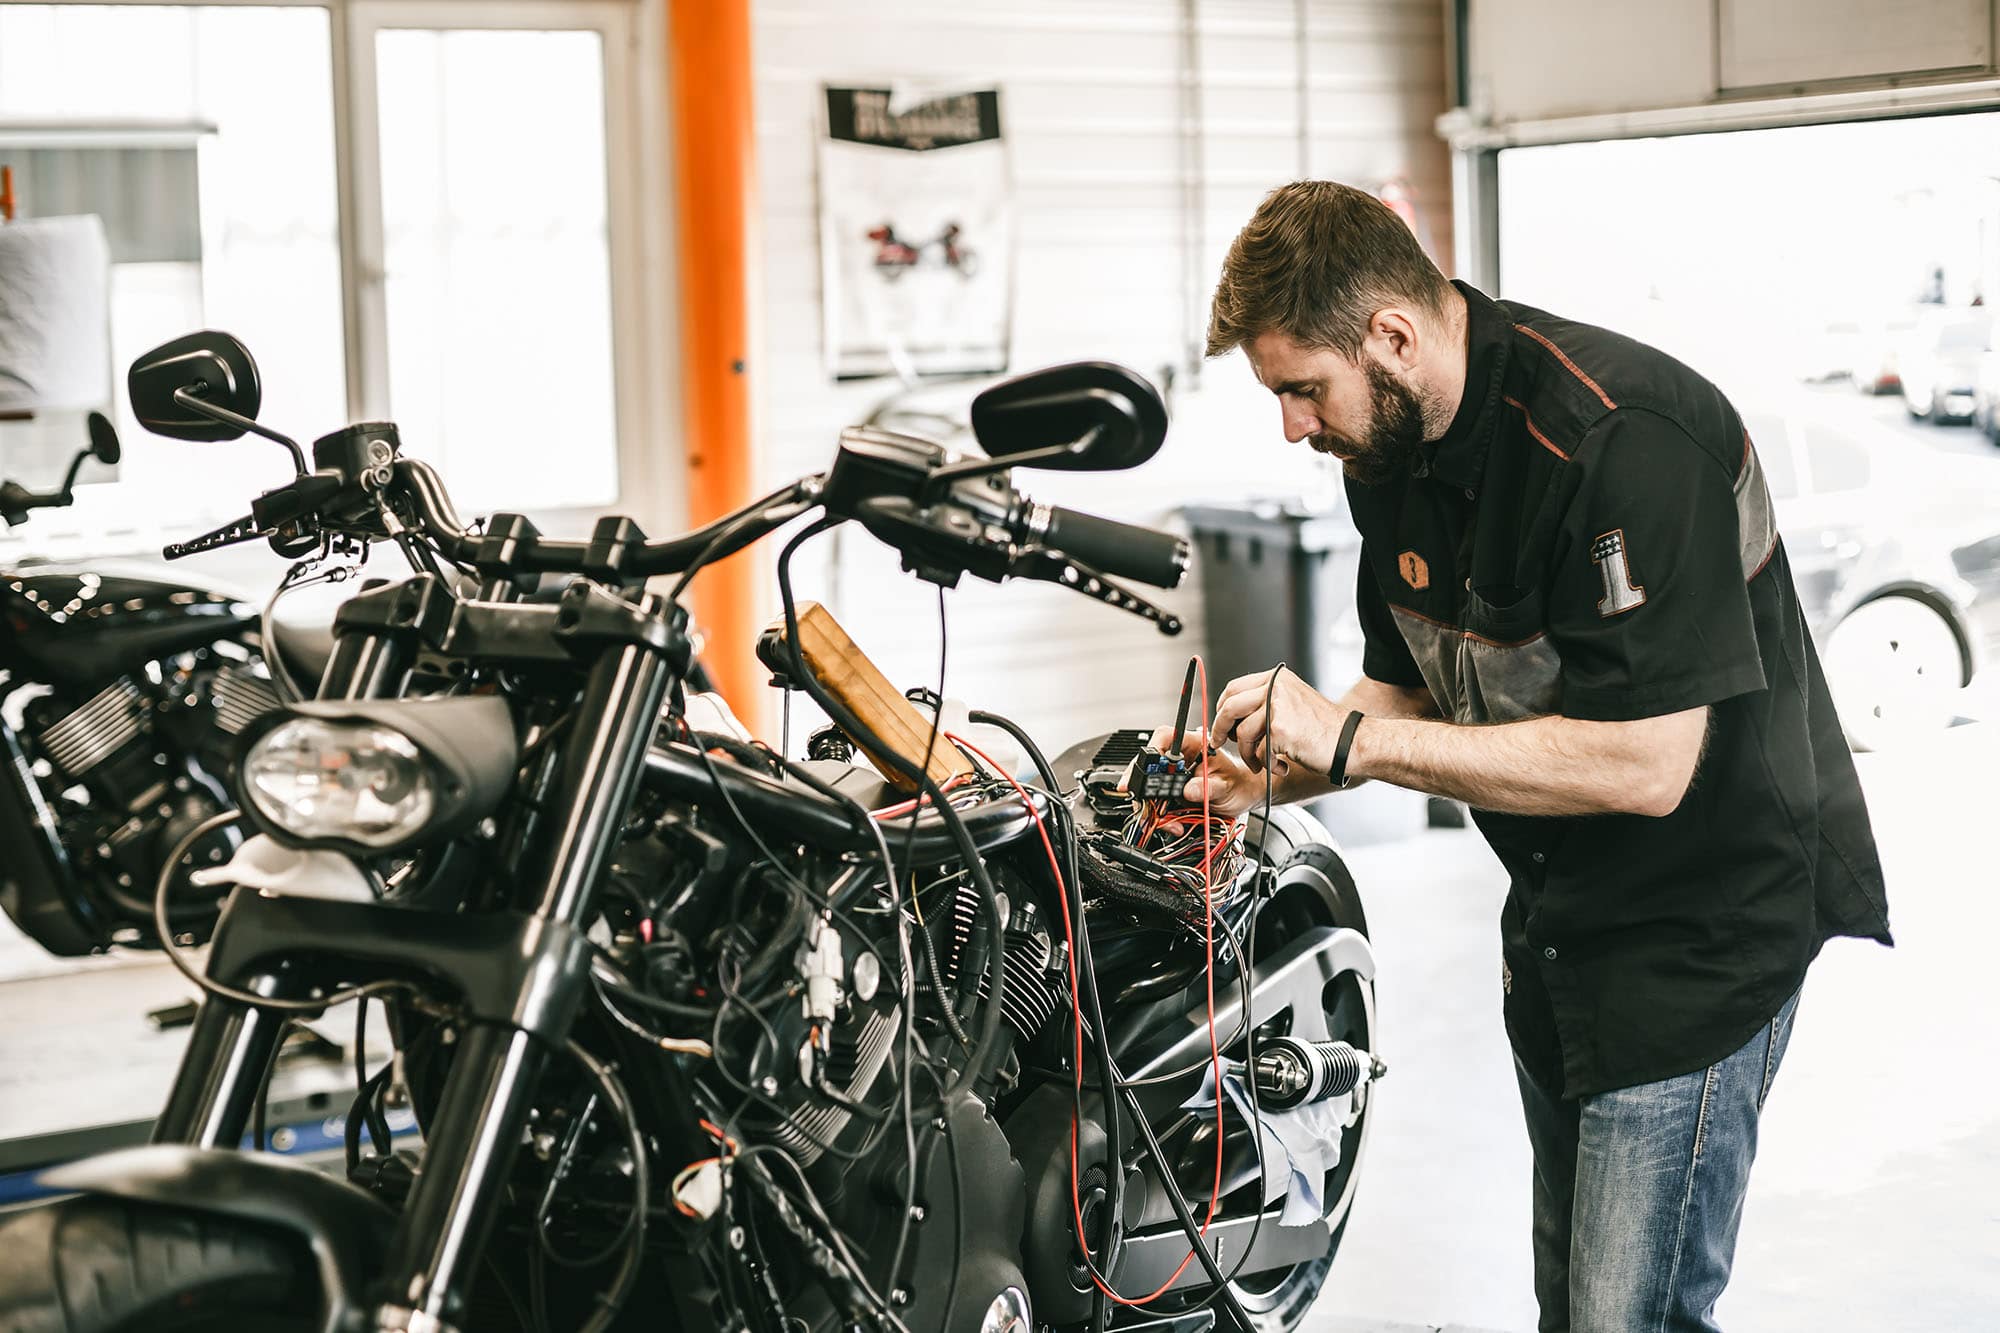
point(1593, 538)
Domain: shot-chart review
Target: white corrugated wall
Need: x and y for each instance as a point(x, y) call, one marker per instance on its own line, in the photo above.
point(1092, 107)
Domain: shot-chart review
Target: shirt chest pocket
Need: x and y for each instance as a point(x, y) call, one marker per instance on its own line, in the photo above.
point(1507, 668)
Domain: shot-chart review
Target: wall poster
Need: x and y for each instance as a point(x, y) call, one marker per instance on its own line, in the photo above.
point(916, 233)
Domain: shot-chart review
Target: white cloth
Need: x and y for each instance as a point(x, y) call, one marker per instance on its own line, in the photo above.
point(1300, 1145)
point(55, 314)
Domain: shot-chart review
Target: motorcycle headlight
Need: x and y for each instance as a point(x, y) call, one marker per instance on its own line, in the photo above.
point(371, 777)
point(359, 782)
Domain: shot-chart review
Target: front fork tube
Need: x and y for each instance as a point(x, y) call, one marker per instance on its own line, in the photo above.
point(231, 1046)
point(483, 1108)
point(229, 1053)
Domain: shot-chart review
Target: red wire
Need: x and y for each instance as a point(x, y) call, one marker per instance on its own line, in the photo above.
point(1076, 1009)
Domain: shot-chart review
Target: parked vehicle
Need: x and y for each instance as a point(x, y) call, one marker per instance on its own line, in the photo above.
point(1939, 363)
point(700, 1036)
point(1876, 349)
point(120, 694)
point(1986, 388)
point(1896, 554)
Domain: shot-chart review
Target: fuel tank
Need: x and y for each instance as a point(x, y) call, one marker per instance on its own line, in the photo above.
point(88, 626)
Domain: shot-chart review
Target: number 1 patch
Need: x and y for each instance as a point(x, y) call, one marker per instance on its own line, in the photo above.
point(1620, 594)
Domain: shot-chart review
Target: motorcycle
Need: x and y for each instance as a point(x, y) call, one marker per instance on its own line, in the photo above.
point(698, 1033)
point(120, 695)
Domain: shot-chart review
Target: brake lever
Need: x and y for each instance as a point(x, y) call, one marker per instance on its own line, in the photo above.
point(1039, 562)
point(245, 529)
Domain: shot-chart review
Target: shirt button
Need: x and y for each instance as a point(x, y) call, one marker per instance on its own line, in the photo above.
point(1468, 492)
point(1549, 953)
point(1468, 585)
point(1539, 858)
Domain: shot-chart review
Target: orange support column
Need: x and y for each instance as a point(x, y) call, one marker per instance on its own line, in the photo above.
point(715, 144)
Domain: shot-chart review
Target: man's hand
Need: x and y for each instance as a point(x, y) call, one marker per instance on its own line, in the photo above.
point(1308, 723)
point(1233, 787)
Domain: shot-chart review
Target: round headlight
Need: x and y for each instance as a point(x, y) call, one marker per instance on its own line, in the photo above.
point(353, 781)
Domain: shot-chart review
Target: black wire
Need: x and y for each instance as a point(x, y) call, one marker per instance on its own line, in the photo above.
point(611, 1300)
point(957, 1197)
point(909, 845)
point(805, 890)
point(937, 722)
point(377, 1124)
point(1246, 958)
point(978, 1065)
point(1220, 1283)
point(833, 1234)
point(755, 511)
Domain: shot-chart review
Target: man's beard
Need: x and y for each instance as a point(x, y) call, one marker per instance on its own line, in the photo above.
point(1395, 433)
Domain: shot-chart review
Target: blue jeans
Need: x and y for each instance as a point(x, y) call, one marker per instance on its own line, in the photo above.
point(1638, 1192)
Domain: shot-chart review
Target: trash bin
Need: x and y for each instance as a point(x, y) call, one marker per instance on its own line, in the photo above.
point(1277, 584)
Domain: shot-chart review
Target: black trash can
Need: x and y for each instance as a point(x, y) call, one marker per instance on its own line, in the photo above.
point(1277, 584)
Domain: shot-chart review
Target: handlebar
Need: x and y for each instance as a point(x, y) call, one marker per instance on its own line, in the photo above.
point(1122, 550)
point(946, 519)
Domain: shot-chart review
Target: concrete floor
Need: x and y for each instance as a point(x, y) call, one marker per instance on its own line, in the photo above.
point(1875, 1203)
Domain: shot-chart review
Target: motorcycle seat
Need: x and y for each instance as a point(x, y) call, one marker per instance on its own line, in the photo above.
point(304, 647)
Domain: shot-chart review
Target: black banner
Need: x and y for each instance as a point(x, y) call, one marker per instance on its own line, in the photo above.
point(862, 115)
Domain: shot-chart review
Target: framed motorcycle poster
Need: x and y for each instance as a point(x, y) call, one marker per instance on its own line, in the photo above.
point(916, 233)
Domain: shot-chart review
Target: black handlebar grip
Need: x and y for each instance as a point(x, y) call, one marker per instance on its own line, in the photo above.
point(1122, 550)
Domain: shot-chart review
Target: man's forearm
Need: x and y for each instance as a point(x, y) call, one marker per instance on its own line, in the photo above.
point(1373, 698)
point(1379, 700)
point(1540, 766)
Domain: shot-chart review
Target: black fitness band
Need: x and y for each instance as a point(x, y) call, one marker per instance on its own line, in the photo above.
point(1337, 775)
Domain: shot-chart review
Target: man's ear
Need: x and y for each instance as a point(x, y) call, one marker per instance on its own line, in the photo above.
point(1393, 332)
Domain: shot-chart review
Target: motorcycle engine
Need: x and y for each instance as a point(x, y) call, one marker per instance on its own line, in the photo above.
point(151, 758)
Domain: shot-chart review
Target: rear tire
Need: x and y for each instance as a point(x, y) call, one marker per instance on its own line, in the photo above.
point(101, 1265)
point(1279, 1299)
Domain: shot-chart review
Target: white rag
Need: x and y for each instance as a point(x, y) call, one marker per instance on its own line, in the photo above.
point(1305, 1140)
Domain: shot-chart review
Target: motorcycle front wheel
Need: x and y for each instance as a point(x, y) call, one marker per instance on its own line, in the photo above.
point(97, 1265)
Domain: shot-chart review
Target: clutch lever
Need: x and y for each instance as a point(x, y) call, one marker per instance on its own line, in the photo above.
point(1039, 562)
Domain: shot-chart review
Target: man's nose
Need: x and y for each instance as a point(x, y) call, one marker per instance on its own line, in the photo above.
point(1299, 425)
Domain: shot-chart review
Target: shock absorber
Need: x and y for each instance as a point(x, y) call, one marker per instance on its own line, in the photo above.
point(1291, 1073)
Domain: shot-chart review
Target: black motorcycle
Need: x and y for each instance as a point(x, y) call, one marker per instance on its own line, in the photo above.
point(701, 1036)
point(120, 696)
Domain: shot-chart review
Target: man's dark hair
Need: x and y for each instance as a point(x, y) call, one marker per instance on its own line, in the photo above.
point(1315, 262)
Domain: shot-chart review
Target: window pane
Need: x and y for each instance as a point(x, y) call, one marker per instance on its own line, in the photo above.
point(498, 262)
point(250, 245)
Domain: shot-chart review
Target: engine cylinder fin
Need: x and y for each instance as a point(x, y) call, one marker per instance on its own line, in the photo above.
point(241, 697)
point(964, 912)
point(106, 721)
point(810, 1126)
point(1028, 1001)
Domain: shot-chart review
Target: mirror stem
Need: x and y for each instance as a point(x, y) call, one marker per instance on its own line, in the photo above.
point(69, 478)
point(979, 467)
point(195, 403)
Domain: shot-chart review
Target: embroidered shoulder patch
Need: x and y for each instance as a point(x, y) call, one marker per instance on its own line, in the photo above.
point(1620, 594)
point(1415, 572)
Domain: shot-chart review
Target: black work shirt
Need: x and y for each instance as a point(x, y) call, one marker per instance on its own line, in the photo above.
point(1593, 538)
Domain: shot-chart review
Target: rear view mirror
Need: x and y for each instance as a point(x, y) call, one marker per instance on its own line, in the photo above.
point(1091, 416)
point(103, 440)
point(209, 366)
